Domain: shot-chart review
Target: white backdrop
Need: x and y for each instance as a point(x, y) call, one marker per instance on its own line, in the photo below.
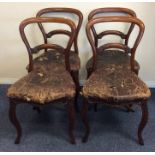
point(13, 54)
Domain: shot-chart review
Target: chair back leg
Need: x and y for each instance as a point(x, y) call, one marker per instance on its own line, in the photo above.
point(85, 120)
point(71, 119)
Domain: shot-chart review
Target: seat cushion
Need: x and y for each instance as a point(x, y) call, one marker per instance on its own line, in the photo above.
point(47, 58)
point(43, 86)
point(115, 84)
point(114, 57)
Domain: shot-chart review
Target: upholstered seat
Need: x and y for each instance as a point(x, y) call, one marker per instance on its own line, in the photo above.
point(42, 86)
point(52, 56)
point(115, 57)
point(115, 84)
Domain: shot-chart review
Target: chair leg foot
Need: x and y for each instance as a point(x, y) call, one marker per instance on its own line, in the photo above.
point(37, 109)
point(71, 118)
point(15, 122)
point(143, 122)
point(85, 138)
point(141, 142)
point(129, 108)
point(85, 120)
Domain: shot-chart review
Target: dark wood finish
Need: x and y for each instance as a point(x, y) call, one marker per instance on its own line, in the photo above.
point(115, 45)
point(114, 90)
point(75, 76)
point(143, 122)
point(71, 118)
point(14, 121)
point(18, 100)
point(127, 12)
point(71, 11)
point(85, 120)
point(131, 20)
point(45, 46)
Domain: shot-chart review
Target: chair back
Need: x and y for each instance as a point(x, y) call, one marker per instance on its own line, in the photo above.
point(107, 11)
point(44, 12)
point(33, 50)
point(122, 19)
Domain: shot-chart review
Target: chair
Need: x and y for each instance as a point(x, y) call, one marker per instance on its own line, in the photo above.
point(104, 12)
point(115, 84)
point(44, 84)
point(74, 58)
point(116, 57)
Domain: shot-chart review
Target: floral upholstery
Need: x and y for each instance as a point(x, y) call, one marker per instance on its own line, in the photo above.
point(113, 83)
point(43, 85)
point(114, 57)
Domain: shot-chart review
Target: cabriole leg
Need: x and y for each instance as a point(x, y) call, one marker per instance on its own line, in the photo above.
point(143, 122)
point(14, 121)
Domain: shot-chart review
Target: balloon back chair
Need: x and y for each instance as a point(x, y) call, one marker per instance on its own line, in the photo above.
point(74, 58)
point(115, 57)
point(115, 84)
point(113, 11)
point(45, 84)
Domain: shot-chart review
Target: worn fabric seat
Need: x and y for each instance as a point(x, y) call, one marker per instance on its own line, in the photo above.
point(44, 85)
point(115, 84)
point(112, 57)
point(52, 56)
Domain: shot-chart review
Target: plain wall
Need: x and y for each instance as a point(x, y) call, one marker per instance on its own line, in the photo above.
point(13, 54)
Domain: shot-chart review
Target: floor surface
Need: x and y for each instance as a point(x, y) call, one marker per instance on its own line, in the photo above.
point(111, 129)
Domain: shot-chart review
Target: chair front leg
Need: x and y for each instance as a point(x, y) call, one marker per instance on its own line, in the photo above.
point(71, 118)
point(14, 121)
point(143, 122)
point(85, 120)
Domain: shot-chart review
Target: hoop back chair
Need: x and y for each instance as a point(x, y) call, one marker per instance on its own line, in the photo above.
point(116, 57)
point(102, 12)
point(74, 58)
point(115, 84)
point(45, 85)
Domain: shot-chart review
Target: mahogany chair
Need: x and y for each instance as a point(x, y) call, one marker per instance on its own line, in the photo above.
point(74, 58)
point(115, 84)
point(117, 58)
point(102, 12)
point(45, 84)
